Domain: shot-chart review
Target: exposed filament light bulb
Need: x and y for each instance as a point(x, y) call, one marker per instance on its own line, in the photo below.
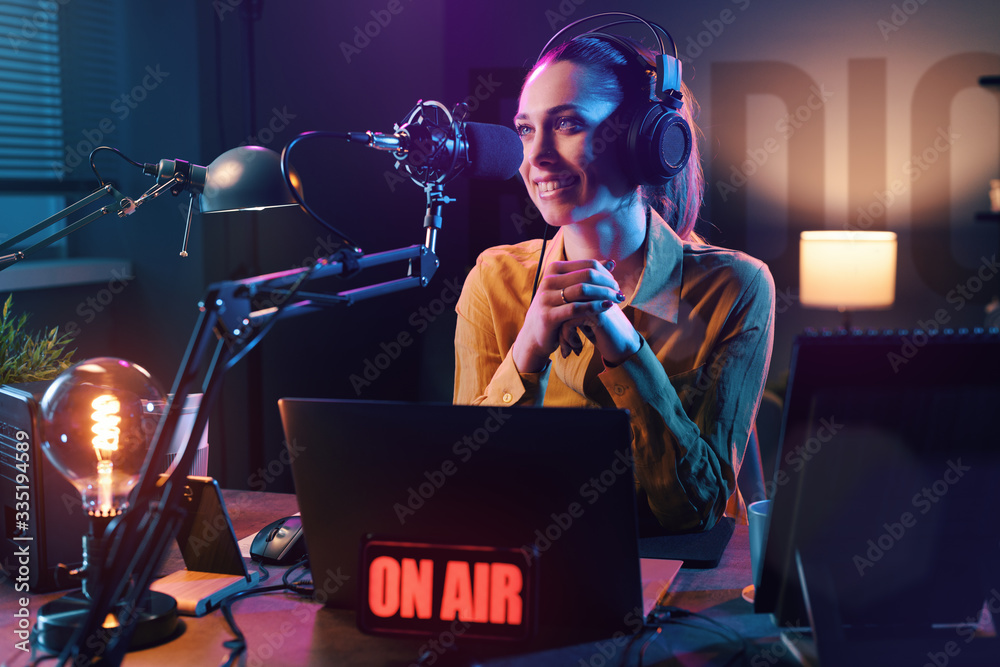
point(99, 418)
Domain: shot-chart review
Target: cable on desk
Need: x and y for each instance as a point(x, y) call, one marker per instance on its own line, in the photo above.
point(298, 586)
point(662, 615)
point(238, 645)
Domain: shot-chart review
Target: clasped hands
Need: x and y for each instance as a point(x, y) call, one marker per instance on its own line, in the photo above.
point(577, 296)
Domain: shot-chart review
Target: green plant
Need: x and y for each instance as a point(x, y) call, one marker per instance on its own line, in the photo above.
point(27, 356)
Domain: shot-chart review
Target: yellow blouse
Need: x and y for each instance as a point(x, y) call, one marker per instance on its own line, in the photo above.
point(706, 317)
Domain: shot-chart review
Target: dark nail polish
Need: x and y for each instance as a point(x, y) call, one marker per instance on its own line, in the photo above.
point(620, 296)
point(610, 265)
point(606, 304)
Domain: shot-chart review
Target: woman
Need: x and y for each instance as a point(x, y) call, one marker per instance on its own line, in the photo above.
point(676, 331)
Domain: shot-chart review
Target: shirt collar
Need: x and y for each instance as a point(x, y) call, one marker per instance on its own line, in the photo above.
point(659, 290)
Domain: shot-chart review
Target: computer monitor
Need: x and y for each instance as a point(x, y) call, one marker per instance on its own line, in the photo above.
point(883, 525)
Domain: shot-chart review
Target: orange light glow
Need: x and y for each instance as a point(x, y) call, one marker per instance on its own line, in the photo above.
point(104, 479)
point(106, 420)
point(847, 270)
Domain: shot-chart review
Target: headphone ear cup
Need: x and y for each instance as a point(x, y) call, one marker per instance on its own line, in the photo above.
point(658, 146)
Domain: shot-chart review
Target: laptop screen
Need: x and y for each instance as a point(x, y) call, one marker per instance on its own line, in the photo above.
point(556, 482)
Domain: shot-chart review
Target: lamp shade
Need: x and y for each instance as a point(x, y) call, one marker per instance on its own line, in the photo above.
point(847, 270)
point(246, 177)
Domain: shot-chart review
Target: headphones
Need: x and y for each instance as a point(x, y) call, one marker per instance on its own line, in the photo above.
point(658, 139)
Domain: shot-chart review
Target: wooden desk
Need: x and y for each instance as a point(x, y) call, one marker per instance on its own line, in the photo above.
point(284, 629)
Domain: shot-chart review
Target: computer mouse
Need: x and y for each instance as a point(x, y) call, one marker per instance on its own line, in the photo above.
point(280, 543)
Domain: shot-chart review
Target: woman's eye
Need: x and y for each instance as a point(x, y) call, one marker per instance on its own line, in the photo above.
point(567, 124)
point(522, 130)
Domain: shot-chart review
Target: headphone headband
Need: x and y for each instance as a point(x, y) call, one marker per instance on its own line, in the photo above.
point(631, 18)
point(668, 68)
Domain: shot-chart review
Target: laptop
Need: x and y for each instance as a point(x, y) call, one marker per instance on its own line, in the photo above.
point(555, 482)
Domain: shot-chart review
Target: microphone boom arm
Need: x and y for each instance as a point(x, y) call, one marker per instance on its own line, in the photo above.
point(122, 205)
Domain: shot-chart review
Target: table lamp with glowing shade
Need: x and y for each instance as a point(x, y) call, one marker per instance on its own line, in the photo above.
point(246, 178)
point(847, 271)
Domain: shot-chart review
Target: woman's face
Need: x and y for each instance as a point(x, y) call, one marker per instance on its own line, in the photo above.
point(569, 138)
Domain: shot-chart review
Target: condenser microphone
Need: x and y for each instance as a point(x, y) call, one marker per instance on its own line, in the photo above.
point(495, 151)
point(430, 150)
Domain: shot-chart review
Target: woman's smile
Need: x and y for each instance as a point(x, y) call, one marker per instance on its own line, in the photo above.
point(551, 187)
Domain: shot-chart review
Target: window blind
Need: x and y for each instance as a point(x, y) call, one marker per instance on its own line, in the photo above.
point(59, 73)
point(31, 104)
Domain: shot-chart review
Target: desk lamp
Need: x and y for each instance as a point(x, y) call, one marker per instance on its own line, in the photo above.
point(847, 271)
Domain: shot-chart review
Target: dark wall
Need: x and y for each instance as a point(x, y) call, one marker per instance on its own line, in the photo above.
point(153, 114)
point(317, 69)
point(851, 115)
point(850, 99)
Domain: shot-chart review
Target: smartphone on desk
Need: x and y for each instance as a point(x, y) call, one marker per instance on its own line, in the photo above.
point(214, 567)
point(206, 537)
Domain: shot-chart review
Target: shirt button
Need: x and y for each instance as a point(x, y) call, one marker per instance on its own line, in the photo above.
point(507, 398)
point(619, 389)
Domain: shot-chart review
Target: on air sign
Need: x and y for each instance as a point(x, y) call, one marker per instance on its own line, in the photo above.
point(424, 589)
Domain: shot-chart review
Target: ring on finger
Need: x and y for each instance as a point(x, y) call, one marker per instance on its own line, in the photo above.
point(562, 295)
